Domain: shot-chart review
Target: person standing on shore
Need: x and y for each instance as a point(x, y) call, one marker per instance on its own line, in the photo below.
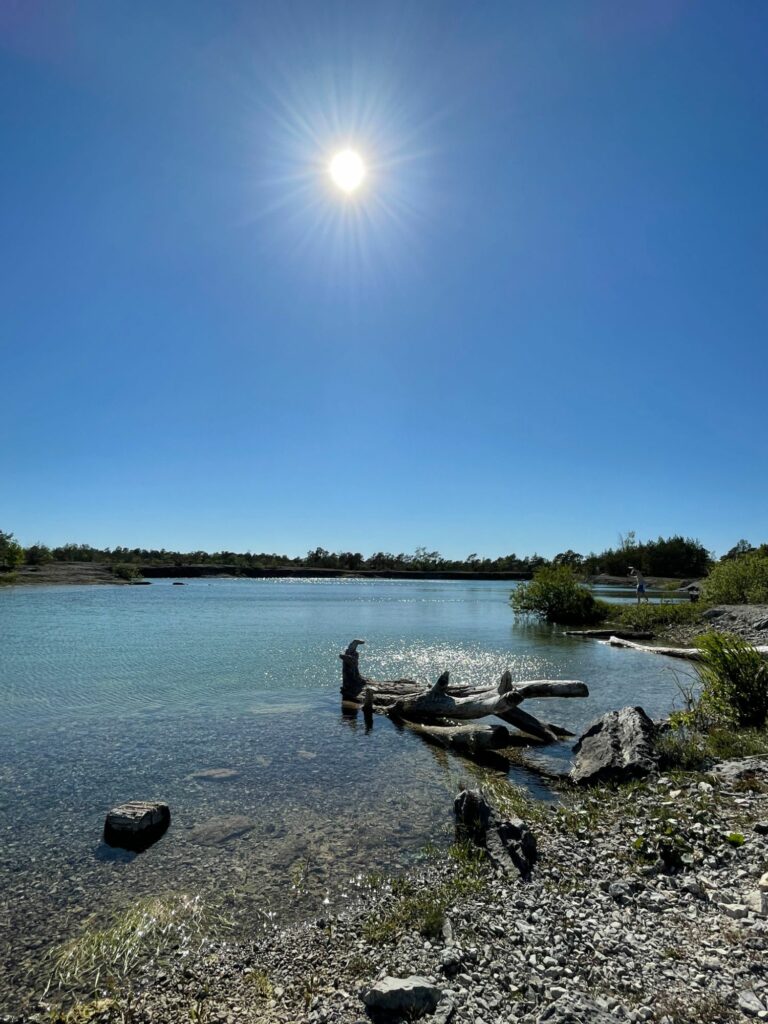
point(640, 581)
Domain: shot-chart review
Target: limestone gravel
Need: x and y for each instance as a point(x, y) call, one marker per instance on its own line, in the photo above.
point(645, 906)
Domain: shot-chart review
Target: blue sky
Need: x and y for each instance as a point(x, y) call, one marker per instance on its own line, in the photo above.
point(541, 322)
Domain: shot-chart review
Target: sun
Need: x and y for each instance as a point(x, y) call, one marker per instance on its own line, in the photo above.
point(347, 170)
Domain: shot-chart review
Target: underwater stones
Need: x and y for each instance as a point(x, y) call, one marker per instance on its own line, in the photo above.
point(218, 831)
point(215, 774)
point(137, 824)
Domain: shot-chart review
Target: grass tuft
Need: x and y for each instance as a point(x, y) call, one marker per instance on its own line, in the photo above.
point(150, 929)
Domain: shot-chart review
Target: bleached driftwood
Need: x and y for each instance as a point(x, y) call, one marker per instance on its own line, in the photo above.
point(407, 700)
point(606, 634)
point(466, 738)
point(689, 653)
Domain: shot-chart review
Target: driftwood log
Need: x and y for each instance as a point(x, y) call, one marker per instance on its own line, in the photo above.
point(689, 653)
point(606, 634)
point(444, 704)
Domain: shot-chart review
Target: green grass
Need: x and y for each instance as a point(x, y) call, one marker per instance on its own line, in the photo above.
point(7, 578)
point(415, 909)
point(653, 616)
point(151, 929)
point(734, 681)
point(692, 750)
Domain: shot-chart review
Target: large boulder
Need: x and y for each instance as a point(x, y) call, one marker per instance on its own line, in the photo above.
point(411, 997)
point(510, 844)
point(137, 824)
point(617, 747)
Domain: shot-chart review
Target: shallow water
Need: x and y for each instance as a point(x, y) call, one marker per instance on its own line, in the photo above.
point(116, 693)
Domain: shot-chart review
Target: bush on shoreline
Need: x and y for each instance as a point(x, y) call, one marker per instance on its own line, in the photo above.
point(742, 580)
point(555, 595)
point(725, 715)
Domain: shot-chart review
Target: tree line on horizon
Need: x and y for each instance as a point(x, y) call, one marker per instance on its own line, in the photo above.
point(677, 556)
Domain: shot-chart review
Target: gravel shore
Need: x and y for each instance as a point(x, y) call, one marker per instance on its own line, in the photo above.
point(645, 905)
point(749, 621)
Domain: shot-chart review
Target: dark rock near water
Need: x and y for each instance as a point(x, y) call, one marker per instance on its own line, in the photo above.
point(509, 843)
point(617, 747)
point(412, 997)
point(137, 824)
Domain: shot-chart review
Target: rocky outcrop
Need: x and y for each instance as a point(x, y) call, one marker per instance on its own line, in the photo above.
point(136, 825)
point(617, 747)
point(510, 844)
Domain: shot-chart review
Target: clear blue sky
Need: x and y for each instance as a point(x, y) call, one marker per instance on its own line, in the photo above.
point(541, 322)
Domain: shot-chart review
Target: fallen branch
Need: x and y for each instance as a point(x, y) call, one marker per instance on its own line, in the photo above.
point(689, 653)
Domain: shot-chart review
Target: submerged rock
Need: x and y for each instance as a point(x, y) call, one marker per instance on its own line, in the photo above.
point(617, 747)
point(137, 824)
point(215, 774)
point(412, 996)
point(218, 831)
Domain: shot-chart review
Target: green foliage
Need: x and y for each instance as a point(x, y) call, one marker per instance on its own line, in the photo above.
point(7, 578)
point(11, 552)
point(414, 909)
point(734, 681)
point(738, 580)
point(680, 557)
point(648, 616)
point(554, 594)
point(126, 571)
point(38, 554)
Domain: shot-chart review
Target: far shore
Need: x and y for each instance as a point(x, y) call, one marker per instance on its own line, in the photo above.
point(101, 573)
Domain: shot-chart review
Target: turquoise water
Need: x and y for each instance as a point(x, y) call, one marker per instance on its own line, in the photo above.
point(116, 693)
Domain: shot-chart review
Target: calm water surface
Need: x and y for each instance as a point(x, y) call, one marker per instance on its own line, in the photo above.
point(116, 693)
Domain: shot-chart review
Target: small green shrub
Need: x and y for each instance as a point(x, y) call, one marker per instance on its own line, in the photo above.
point(742, 580)
point(126, 571)
point(650, 616)
point(554, 594)
point(734, 681)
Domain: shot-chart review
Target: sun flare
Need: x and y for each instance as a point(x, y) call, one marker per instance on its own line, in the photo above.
point(347, 170)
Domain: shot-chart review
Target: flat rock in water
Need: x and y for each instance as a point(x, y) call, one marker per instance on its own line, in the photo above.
point(215, 774)
point(218, 831)
point(137, 824)
point(413, 996)
point(617, 747)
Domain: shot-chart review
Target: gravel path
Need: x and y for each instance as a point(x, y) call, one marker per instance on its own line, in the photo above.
point(645, 906)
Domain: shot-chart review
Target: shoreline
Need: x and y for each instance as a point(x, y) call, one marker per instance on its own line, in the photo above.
point(599, 932)
point(100, 573)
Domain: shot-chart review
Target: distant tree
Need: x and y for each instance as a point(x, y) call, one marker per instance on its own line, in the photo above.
point(742, 547)
point(11, 552)
point(570, 558)
point(38, 554)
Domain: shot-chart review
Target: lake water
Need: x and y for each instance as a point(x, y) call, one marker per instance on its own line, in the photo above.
point(116, 693)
